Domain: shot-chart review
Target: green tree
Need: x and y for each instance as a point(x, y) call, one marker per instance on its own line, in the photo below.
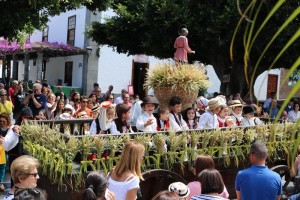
point(150, 27)
point(25, 15)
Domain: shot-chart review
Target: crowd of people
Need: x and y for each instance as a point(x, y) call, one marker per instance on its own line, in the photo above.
point(126, 114)
point(116, 115)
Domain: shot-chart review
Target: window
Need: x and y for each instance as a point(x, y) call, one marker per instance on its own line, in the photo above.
point(45, 34)
point(68, 73)
point(71, 30)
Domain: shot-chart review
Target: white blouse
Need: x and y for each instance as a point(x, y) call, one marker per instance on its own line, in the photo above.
point(208, 120)
point(142, 119)
point(292, 116)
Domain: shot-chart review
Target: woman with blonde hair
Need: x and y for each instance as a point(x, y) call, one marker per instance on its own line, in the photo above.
point(125, 178)
point(24, 173)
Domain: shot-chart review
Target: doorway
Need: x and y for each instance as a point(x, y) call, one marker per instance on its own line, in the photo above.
point(272, 84)
point(68, 73)
point(139, 71)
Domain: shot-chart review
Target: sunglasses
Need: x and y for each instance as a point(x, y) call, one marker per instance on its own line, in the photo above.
point(4, 95)
point(34, 174)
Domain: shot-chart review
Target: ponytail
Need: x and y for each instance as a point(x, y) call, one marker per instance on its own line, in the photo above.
point(89, 194)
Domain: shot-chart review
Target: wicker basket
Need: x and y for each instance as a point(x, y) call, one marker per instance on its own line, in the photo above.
point(164, 94)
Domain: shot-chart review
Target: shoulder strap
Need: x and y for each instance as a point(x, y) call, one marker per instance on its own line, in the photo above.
point(129, 178)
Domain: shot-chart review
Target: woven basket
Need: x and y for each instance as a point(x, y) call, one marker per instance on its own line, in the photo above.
point(164, 94)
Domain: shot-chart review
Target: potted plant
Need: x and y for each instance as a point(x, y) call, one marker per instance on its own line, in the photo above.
point(184, 80)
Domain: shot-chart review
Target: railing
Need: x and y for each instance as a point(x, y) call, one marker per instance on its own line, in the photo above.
point(79, 125)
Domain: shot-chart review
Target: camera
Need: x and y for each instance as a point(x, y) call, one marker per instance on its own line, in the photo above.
point(30, 91)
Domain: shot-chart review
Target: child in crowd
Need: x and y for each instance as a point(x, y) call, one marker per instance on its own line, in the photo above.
point(162, 120)
point(209, 118)
point(146, 121)
point(223, 118)
point(177, 122)
point(120, 124)
point(249, 119)
point(201, 106)
point(106, 115)
point(236, 112)
point(190, 118)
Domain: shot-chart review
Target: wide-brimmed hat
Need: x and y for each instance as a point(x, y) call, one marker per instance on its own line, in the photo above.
point(180, 188)
point(235, 103)
point(106, 104)
point(213, 104)
point(248, 109)
point(150, 99)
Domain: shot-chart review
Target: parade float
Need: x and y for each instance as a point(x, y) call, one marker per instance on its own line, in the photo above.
point(65, 159)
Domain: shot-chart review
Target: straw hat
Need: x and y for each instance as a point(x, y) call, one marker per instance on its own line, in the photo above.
point(150, 99)
point(106, 104)
point(235, 103)
point(83, 114)
point(95, 108)
point(213, 104)
point(180, 188)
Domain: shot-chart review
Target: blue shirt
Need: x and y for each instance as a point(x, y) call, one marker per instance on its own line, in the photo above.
point(42, 99)
point(258, 183)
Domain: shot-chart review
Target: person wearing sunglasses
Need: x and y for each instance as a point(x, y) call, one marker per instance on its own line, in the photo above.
point(24, 174)
point(6, 106)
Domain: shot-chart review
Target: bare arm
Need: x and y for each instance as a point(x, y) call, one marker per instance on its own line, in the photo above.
point(36, 103)
point(131, 194)
point(238, 195)
point(278, 197)
point(26, 99)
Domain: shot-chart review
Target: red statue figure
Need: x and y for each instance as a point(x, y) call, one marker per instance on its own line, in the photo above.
point(182, 46)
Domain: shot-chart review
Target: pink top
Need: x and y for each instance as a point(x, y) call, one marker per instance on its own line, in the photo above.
point(195, 189)
point(182, 48)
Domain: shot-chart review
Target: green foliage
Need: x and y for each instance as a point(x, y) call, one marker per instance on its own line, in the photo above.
point(17, 15)
point(186, 76)
point(282, 141)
